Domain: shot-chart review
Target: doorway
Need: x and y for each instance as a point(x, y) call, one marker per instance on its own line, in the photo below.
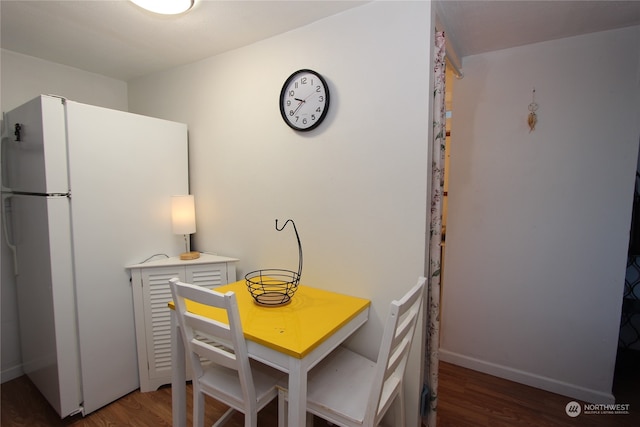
point(626, 379)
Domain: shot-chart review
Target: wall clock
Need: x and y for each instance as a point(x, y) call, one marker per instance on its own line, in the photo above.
point(304, 100)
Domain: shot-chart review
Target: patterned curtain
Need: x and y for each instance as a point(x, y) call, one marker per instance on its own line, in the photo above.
point(435, 232)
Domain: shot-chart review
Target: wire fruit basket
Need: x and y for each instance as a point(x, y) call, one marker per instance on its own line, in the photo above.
point(273, 287)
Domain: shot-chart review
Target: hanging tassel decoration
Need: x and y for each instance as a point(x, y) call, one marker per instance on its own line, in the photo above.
point(532, 119)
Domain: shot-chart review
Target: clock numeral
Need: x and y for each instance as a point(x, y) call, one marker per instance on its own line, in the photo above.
point(291, 93)
point(313, 117)
point(318, 88)
point(288, 103)
point(303, 80)
point(321, 98)
point(318, 110)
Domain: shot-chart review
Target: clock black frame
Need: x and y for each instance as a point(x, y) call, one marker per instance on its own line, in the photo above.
point(283, 91)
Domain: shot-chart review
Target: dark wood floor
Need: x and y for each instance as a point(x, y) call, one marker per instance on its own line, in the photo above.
point(467, 398)
point(473, 399)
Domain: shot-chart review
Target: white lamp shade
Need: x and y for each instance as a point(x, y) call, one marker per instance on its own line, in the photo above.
point(165, 7)
point(183, 214)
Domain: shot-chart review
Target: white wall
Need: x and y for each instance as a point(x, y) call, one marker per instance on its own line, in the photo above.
point(538, 221)
point(356, 186)
point(23, 78)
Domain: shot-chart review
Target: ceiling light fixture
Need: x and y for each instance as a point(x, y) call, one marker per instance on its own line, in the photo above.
point(165, 7)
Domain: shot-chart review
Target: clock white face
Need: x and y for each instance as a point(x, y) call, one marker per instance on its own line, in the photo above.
point(304, 100)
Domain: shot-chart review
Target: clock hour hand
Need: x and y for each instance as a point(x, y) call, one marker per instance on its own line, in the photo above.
point(299, 105)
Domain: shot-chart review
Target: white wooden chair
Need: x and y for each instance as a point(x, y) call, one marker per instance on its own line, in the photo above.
point(221, 367)
point(350, 390)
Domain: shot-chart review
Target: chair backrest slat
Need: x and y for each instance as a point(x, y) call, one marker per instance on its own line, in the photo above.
point(394, 350)
point(211, 340)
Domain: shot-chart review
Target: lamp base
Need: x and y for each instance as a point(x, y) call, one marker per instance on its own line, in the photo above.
point(190, 255)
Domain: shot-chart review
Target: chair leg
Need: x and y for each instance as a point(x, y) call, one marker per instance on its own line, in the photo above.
point(250, 419)
point(399, 408)
point(198, 407)
point(282, 408)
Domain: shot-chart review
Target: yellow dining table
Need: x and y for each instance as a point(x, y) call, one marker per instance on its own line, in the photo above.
point(292, 338)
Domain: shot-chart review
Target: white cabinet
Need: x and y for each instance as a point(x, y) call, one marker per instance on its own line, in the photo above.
point(151, 294)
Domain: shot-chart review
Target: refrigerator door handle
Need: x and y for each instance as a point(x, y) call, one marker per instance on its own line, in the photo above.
point(3, 168)
point(3, 153)
point(6, 218)
point(5, 143)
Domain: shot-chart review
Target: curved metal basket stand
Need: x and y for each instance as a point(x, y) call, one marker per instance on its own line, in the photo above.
point(273, 287)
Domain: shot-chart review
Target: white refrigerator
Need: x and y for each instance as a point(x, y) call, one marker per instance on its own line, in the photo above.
point(85, 192)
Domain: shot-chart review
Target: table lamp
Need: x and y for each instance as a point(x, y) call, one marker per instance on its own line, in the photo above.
point(183, 220)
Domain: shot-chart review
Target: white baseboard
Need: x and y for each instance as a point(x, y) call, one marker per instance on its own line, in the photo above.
point(11, 373)
point(527, 378)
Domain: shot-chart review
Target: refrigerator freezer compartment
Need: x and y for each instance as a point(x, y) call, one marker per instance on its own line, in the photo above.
point(37, 163)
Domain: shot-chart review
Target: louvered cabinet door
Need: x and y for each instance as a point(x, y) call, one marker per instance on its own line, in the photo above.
point(158, 322)
point(151, 294)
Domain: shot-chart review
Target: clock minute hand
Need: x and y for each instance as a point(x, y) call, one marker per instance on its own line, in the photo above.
point(309, 96)
point(299, 105)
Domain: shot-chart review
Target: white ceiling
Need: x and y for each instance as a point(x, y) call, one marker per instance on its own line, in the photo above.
point(117, 39)
point(482, 26)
